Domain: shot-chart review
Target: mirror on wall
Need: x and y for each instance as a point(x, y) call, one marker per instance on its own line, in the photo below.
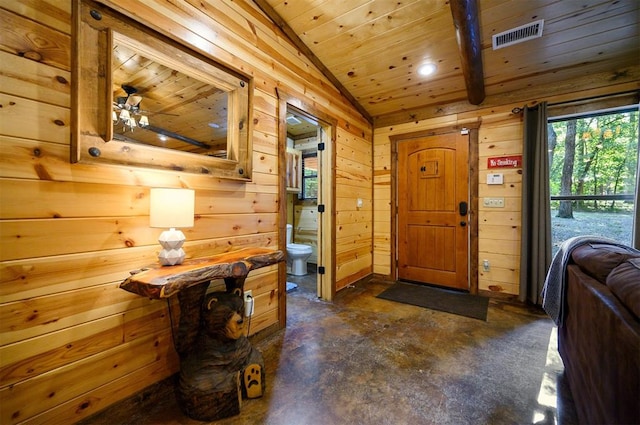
point(141, 99)
point(159, 106)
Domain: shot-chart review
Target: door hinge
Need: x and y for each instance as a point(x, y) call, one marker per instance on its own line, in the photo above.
point(320, 208)
point(321, 270)
point(320, 146)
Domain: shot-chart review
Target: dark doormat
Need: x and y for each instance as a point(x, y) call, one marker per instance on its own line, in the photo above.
point(462, 304)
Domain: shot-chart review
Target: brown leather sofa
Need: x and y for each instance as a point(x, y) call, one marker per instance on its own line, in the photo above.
point(599, 340)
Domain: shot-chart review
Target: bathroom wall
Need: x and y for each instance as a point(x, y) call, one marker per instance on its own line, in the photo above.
point(305, 212)
point(305, 228)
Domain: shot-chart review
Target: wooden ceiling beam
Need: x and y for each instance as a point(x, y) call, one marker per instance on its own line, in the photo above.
point(291, 34)
point(467, 24)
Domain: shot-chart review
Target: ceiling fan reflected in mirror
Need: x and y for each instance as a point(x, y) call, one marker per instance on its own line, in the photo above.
point(127, 108)
point(124, 109)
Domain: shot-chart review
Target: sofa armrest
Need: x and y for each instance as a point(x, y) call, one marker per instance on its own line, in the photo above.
point(599, 343)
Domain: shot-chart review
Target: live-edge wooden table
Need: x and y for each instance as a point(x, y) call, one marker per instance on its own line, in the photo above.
point(190, 281)
point(157, 281)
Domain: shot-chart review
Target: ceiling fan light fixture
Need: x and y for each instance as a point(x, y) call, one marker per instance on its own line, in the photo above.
point(133, 101)
point(124, 115)
point(144, 121)
point(426, 69)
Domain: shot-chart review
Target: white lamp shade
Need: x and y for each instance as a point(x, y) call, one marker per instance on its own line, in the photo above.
point(171, 207)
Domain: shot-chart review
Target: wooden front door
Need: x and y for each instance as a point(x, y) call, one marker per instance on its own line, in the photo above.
point(433, 194)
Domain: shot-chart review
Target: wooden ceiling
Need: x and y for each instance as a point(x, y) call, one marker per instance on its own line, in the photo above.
point(371, 49)
point(184, 113)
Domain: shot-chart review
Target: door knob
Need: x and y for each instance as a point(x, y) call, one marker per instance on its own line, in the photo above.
point(463, 223)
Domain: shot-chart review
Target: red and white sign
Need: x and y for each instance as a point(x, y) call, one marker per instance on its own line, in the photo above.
point(514, 161)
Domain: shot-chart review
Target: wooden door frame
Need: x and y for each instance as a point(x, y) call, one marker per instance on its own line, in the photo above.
point(330, 125)
point(473, 194)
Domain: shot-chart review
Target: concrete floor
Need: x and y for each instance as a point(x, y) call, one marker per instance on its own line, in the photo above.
point(364, 360)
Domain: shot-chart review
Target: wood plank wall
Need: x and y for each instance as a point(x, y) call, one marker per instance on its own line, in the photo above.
point(500, 134)
point(71, 342)
point(354, 230)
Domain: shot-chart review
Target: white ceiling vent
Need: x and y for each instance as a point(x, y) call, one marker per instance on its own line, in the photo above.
point(518, 34)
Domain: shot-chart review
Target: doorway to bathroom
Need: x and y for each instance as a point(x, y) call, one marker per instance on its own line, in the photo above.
point(309, 204)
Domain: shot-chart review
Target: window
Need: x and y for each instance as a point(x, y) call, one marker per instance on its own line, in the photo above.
point(309, 176)
point(593, 167)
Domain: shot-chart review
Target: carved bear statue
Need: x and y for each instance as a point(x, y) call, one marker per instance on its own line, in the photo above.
point(222, 367)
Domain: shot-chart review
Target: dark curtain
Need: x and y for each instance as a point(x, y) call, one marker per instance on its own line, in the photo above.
point(536, 215)
point(635, 237)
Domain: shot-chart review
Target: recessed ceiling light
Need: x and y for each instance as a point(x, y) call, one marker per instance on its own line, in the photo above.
point(426, 69)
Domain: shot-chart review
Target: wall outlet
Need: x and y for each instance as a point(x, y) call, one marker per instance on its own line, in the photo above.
point(493, 202)
point(486, 266)
point(248, 304)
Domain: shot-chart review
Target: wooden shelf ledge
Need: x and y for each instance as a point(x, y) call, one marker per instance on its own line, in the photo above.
point(157, 281)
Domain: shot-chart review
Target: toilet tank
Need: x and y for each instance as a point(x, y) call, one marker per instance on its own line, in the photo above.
point(289, 233)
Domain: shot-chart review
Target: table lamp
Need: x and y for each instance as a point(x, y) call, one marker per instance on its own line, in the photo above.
point(171, 208)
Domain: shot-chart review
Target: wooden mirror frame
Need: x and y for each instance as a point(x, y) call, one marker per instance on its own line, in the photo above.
point(94, 29)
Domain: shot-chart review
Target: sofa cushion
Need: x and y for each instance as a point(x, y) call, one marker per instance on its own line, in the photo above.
point(597, 259)
point(624, 282)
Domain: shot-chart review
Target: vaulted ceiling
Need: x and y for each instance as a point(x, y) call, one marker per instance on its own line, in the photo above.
point(372, 49)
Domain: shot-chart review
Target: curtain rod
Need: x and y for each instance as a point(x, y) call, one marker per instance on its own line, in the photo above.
point(519, 109)
point(604, 96)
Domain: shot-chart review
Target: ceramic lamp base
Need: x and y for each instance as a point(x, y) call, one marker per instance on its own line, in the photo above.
point(171, 257)
point(172, 252)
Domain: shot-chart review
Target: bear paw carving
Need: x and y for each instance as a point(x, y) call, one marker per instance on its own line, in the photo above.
point(253, 380)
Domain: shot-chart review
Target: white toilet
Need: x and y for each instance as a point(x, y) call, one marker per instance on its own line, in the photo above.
point(297, 255)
